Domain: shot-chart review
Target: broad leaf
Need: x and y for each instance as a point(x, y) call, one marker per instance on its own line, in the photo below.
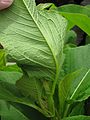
point(74, 87)
point(8, 112)
point(72, 8)
point(32, 37)
point(80, 117)
point(10, 74)
point(80, 14)
point(76, 58)
point(9, 92)
point(30, 112)
point(30, 87)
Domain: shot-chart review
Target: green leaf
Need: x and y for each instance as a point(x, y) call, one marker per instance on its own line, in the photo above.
point(75, 87)
point(80, 14)
point(30, 87)
point(10, 92)
point(28, 35)
point(88, 40)
point(71, 37)
point(33, 37)
point(76, 58)
point(72, 8)
point(29, 112)
point(2, 58)
point(80, 117)
point(38, 91)
point(10, 74)
point(43, 6)
point(8, 112)
point(77, 109)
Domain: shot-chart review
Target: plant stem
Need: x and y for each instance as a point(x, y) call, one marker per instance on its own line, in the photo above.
point(66, 111)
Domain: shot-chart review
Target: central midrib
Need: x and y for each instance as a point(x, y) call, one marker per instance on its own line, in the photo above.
point(55, 60)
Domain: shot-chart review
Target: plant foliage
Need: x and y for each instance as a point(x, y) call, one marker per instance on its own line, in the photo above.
point(49, 77)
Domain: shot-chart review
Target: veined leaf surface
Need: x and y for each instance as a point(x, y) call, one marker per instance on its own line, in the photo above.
point(31, 36)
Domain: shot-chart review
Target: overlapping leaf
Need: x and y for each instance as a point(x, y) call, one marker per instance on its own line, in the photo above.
point(80, 14)
point(9, 112)
point(32, 37)
point(74, 87)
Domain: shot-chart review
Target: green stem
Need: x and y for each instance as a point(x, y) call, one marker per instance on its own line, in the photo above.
point(66, 111)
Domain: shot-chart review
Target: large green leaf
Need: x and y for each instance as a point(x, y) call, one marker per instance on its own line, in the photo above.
point(77, 15)
point(80, 117)
point(8, 112)
point(32, 37)
point(74, 87)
